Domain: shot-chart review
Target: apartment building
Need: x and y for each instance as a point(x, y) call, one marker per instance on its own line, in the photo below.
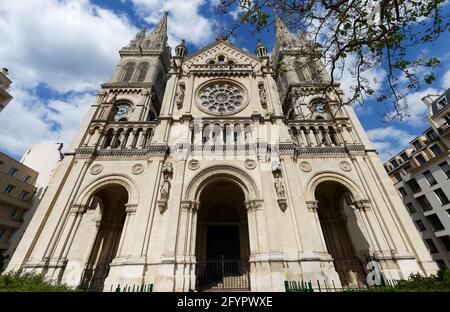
point(421, 174)
point(17, 189)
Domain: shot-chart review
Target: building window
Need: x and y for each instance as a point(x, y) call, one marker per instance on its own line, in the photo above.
point(420, 226)
point(410, 207)
point(398, 176)
point(441, 103)
point(26, 179)
point(12, 172)
point(445, 240)
point(424, 203)
point(436, 149)
point(414, 186)
point(431, 246)
point(402, 191)
point(142, 69)
point(24, 195)
point(129, 70)
point(420, 159)
point(441, 196)
point(9, 188)
point(430, 179)
point(432, 135)
point(435, 222)
point(445, 168)
point(404, 156)
point(394, 163)
point(2, 234)
point(13, 213)
point(417, 145)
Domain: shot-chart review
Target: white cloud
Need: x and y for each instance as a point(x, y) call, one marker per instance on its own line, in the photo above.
point(417, 109)
point(236, 12)
point(389, 141)
point(28, 120)
point(185, 19)
point(67, 46)
point(446, 80)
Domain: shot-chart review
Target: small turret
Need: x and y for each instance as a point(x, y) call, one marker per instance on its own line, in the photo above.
point(261, 50)
point(181, 50)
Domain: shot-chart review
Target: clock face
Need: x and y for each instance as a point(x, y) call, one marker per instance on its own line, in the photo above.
point(122, 110)
point(320, 108)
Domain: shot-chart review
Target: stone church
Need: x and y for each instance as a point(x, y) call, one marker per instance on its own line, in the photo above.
point(216, 170)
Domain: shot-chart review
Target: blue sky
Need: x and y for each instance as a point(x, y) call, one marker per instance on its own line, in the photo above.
point(58, 58)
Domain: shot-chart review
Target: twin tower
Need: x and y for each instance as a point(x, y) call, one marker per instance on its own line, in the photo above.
point(217, 171)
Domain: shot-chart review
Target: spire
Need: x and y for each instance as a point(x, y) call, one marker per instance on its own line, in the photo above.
point(160, 31)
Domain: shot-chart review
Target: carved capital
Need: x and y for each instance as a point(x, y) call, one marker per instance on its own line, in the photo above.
point(77, 210)
point(130, 208)
point(363, 204)
point(312, 205)
point(253, 205)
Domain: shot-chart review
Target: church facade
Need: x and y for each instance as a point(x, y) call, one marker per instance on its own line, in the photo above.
point(215, 170)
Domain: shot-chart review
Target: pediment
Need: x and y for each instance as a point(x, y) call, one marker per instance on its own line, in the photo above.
point(206, 55)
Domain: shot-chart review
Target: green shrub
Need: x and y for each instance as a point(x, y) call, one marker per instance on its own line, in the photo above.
point(417, 282)
point(28, 282)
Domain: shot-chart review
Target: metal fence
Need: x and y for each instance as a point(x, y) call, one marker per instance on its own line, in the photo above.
point(223, 274)
point(132, 288)
point(323, 286)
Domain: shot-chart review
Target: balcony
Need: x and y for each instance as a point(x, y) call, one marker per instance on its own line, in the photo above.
point(8, 200)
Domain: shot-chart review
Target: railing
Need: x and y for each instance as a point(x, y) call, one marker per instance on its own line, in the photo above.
point(223, 274)
point(323, 286)
point(132, 288)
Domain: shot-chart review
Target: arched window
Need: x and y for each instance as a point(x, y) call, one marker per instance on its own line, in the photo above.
point(108, 138)
point(129, 70)
point(221, 59)
point(298, 67)
point(142, 70)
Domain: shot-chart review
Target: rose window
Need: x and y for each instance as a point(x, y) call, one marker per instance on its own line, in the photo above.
point(221, 98)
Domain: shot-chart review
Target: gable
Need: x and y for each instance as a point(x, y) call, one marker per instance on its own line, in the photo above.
point(211, 52)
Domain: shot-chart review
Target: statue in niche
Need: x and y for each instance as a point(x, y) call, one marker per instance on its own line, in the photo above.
point(165, 188)
point(179, 97)
point(279, 187)
point(262, 94)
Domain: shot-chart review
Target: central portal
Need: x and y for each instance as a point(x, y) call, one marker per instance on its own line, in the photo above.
point(222, 239)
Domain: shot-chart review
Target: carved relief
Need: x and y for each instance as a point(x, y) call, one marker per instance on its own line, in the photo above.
point(96, 169)
point(250, 164)
point(179, 97)
point(345, 165)
point(194, 164)
point(305, 166)
point(137, 169)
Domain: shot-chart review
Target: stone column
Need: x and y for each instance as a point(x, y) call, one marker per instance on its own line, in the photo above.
point(127, 231)
point(328, 138)
point(130, 139)
point(312, 206)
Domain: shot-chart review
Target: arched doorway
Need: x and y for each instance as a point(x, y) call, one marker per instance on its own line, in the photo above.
point(222, 247)
point(344, 240)
point(109, 203)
